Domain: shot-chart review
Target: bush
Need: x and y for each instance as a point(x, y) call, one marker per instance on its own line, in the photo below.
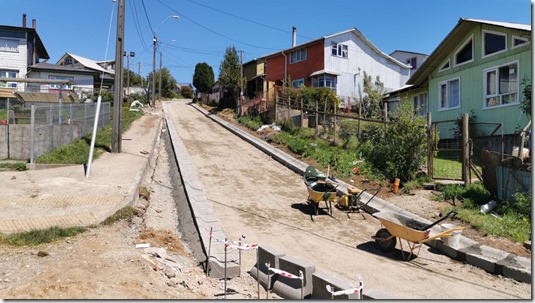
point(398, 149)
point(251, 122)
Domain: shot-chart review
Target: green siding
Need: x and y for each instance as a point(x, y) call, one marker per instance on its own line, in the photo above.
point(471, 76)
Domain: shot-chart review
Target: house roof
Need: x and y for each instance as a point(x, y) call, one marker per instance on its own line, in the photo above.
point(451, 41)
point(41, 50)
point(407, 52)
point(61, 68)
point(353, 30)
point(371, 45)
point(88, 63)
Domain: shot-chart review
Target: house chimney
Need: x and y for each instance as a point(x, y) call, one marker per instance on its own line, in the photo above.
point(24, 20)
point(33, 23)
point(294, 36)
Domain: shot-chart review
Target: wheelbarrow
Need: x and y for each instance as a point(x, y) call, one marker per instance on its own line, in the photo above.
point(323, 189)
point(398, 226)
point(320, 189)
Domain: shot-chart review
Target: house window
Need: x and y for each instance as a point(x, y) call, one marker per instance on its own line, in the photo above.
point(297, 83)
point(445, 66)
point(501, 85)
point(298, 55)
point(325, 81)
point(64, 86)
point(339, 50)
point(519, 41)
point(419, 103)
point(9, 45)
point(412, 63)
point(449, 94)
point(465, 54)
point(494, 43)
point(8, 74)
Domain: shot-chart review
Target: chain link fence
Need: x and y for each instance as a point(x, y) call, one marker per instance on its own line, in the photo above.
point(29, 132)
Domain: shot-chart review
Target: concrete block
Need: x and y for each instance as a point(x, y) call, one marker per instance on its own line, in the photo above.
point(321, 279)
point(294, 288)
point(259, 271)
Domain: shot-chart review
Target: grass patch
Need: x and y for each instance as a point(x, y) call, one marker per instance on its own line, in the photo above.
point(20, 166)
point(125, 213)
point(512, 220)
point(36, 237)
point(77, 151)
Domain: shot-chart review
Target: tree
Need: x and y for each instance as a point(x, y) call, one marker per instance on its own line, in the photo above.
point(203, 79)
point(186, 92)
point(373, 100)
point(168, 83)
point(135, 79)
point(229, 78)
point(398, 149)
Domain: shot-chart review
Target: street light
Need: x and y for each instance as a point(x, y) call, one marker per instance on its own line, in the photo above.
point(155, 42)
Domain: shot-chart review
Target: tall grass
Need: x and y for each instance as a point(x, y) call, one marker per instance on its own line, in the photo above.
point(77, 151)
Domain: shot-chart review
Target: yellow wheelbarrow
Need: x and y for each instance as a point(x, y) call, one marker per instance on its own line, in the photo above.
point(323, 189)
point(398, 226)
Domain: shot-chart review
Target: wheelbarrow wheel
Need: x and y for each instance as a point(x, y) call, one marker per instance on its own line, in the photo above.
point(384, 239)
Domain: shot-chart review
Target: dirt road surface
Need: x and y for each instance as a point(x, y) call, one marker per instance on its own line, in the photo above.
point(251, 195)
point(255, 196)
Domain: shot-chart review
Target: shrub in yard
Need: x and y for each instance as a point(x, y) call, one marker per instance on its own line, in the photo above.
point(251, 122)
point(399, 149)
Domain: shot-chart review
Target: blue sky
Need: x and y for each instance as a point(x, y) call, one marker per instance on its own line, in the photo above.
point(207, 27)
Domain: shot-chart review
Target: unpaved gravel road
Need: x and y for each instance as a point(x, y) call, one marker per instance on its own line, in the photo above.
point(254, 195)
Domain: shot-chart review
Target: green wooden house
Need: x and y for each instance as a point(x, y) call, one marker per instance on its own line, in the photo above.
point(479, 69)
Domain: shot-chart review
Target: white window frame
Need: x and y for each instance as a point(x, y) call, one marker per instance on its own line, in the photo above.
point(447, 83)
point(484, 32)
point(10, 49)
point(340, 50)
point(513, 46)
point(297, 83)
point(441, 69)
point(461, 48)
point(298, 55)
point(421, 104)
point(497, 94)
point(64, 86)
point(8, 74)
point(409, 60)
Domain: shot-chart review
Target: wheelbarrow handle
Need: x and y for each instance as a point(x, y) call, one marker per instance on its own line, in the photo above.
point(451, 213)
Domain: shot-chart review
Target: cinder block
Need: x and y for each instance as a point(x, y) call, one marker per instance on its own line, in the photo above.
point(259, 271)
point(321, 279)
point(294, 288)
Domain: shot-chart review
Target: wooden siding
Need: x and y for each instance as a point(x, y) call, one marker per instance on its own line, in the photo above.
point(471, 76)
point(298, 70)
point(16, 61)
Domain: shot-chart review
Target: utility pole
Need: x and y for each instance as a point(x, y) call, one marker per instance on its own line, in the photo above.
point(154, 40)
point(139, 72)
point(241, 83)
point(160, 79)
point(118, 96)
point(130, 54)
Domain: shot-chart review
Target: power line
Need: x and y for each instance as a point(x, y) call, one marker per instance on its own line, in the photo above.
point(245, 19)
point(147, 15)
point(212, 31)
point(133, 9)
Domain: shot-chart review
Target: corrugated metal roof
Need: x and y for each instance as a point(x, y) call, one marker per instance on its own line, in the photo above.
point(87, 63)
